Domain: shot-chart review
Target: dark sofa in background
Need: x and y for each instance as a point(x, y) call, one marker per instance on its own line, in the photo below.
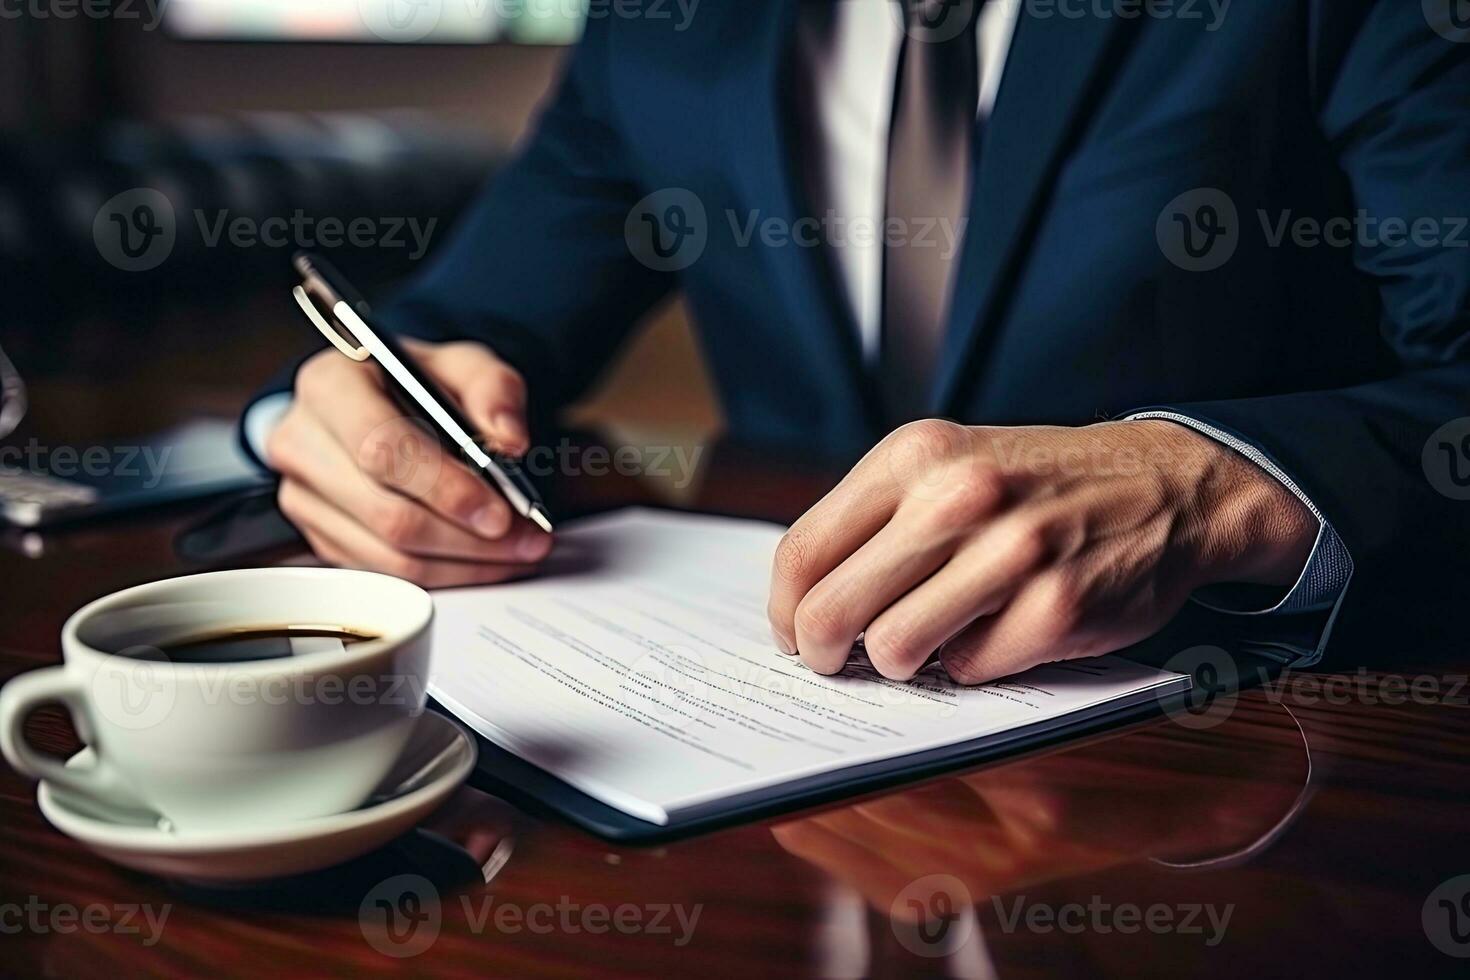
point(62, 303)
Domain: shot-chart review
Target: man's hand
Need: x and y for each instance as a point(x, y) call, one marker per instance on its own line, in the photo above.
point(371, 488)
point(1003, 548)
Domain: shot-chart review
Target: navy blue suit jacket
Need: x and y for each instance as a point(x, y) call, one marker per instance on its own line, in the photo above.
point(1337, 360)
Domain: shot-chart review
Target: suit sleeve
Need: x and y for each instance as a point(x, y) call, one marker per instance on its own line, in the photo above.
point(1387, 462)
point(538, 267)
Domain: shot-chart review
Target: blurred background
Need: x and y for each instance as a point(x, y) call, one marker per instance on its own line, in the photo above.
point(359, 128)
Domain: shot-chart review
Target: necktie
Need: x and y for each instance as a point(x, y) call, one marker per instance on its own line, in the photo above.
point(930, 148)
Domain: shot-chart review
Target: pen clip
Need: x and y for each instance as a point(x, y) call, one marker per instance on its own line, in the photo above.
point(308, 307)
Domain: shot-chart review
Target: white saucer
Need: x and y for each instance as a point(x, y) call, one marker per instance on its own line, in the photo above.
point(438, 757)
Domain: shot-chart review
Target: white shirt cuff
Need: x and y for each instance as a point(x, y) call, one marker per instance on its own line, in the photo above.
point(261, 419)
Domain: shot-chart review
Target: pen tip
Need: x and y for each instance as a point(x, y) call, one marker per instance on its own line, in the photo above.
point(539, 517)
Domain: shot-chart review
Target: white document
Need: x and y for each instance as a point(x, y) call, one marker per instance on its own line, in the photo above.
point(640, 669)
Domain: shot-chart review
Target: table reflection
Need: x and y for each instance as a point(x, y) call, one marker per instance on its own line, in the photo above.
point(925, 858)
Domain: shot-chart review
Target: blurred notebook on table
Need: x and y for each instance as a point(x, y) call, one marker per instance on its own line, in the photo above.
point(640, 671)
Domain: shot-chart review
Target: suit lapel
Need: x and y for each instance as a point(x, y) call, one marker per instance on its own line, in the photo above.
point(1052, 77)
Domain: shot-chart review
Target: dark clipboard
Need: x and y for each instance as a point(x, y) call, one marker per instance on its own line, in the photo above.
point(541, 794)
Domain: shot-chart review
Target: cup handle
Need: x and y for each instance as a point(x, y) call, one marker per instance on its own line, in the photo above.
point(52, 685)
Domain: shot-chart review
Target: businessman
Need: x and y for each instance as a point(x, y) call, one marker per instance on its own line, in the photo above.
point(1130, 305)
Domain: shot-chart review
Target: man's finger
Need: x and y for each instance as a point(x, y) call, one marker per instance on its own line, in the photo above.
point(400, 453)
point(489, 391)
point(977, 580)
point(834, 528)
point(839, 607)
point(338, 539)
point(402, 522)
point(1035, 628)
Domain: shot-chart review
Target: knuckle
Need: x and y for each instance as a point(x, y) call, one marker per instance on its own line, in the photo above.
point(929, 437)
point(894, 649)
point(281, 445)
point(794, 555)
point(496, 389)
point(376, 454)
point(314, 379)
point(508, 383)
point(986, 485)
point(821, 619)
point(1063, 605)
point(962, 507)
point(457, 493)
point(453, 350)
point(399, 524)
point(1028, 544)
point(288, 500)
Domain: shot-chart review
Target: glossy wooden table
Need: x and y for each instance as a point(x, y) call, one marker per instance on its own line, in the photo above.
point(1164, 849)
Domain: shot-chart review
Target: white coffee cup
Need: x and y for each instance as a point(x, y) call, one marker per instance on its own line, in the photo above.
point(214, 746)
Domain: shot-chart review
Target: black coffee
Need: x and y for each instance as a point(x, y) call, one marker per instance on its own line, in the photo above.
point(246, 644)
